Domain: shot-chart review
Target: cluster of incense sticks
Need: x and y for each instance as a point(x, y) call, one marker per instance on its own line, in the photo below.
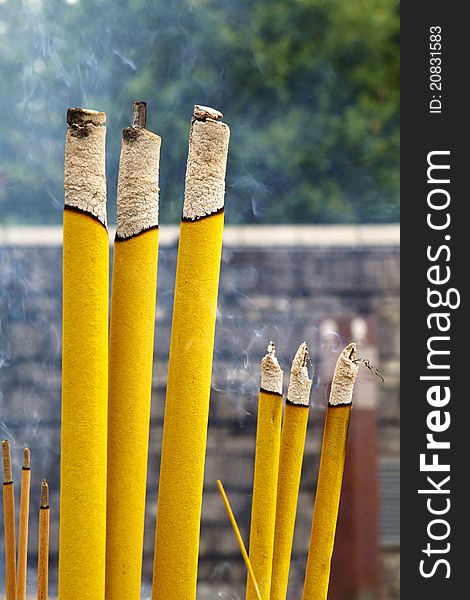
point(15, 572)
point(280, 441)
point(106, 384)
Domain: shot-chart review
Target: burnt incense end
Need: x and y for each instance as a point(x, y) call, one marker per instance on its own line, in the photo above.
point(81, 117)
point(300, 384)
point(271, 372)
point(84, 166)
point(6, 455)
point(138, 122)
point(139, 115)
point(344, 377)
point(207, 162)
point(201, 113)
point(44, 494)
point(137, 198)
point(26, 458)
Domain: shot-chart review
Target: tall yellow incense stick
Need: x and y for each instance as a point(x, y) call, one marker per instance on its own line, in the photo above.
point(263, 507)
point(131, 355)
point(82, 539)
point(294, 429)
point(9, 523)
point(43, 543)
point(190, 362)
point(24, 526)
point(330, 477)
point(238, 535)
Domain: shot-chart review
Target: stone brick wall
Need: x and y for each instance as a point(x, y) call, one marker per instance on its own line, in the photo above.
point(292, 285)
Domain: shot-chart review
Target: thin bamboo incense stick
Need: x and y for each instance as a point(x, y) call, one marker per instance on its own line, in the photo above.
point(330, 476)
point(238, 535)
point(263, 508)
point(294, 429)
point(24, 526)
point(131, 355)
point(43, 543)
point(9, 523)
point(190, 362)
point(82, 538)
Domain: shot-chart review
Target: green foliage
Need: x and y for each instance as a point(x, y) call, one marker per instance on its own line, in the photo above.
point(310, 89)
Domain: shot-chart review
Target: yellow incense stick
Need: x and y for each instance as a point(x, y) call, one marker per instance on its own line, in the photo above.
point(294, 429)
point(131, 357)
point(330, 477)
point(190, 362)
point(82, 538)
point(263, 508)
point(23, 526)
point(238, 535)
point(43, 543)
point(9, 523)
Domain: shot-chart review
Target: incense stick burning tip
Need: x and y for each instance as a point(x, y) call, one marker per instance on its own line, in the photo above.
point(44, 494)
point(80, 117)
point(204, 190)
point(139, 115)
point(351, 349)
point(201, 113)
point(271, 349)
point(271, 372)
point(344, 377)
point(84, 165)
point(300, 384)
point(7, 471)
point(139, 164)
point(26, 458)
point(349, 354)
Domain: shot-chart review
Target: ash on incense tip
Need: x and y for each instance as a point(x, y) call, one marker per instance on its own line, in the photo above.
point(300, 384)
point(201, 113)
point(138, 187)
point(80, 117)
point(7, 471)
point(271, 348)
point(139, 115)
point(271, 372)
point(345, 374)
point(44, 494)
point(207, 163)
point(84, 165)
point(26, 458)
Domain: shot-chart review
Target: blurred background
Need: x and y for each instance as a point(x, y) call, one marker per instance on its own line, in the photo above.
point(310, 90)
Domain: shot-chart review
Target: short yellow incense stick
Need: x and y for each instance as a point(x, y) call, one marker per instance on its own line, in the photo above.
point(263, 507)
point(330, 477)
point(238, 535)
point(43, 543)
point(82, 539)
point(190, 362)
point(9, 523)
point(131, 355)
point(294, 429)
point(23, 526)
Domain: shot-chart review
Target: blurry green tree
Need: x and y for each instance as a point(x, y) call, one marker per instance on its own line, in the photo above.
point(309, 88)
